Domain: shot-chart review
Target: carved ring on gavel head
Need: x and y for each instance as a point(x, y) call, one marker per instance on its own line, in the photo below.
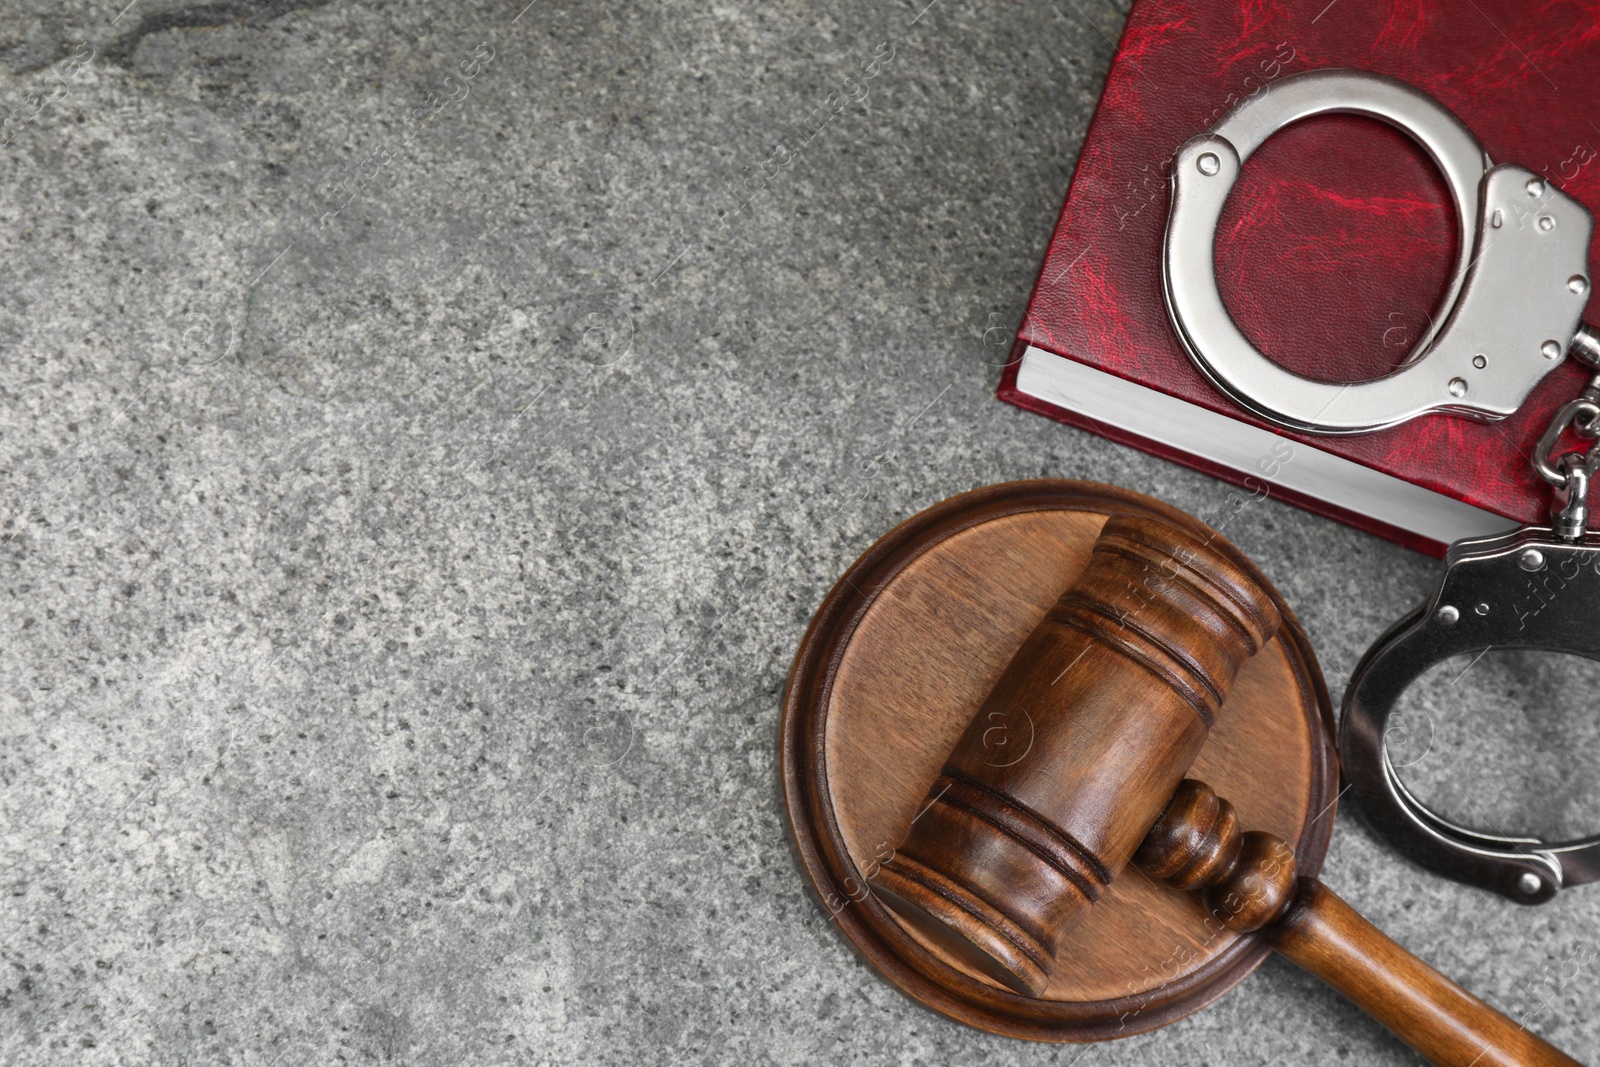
point(1014, 821)
point(1117, 688)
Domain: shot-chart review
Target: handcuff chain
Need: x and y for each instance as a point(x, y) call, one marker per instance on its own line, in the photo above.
point(1570, 473)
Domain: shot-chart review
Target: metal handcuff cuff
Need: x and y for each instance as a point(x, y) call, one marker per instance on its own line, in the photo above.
point(1511, 310)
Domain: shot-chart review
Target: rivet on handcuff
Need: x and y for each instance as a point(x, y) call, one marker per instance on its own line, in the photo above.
point(1509, 314)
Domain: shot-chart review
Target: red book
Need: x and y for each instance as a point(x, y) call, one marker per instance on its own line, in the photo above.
point(1333, 252)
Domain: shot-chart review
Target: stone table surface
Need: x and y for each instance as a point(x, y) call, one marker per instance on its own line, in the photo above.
point(421, 460)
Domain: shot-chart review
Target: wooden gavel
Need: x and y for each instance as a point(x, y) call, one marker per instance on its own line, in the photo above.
point(1114, 693)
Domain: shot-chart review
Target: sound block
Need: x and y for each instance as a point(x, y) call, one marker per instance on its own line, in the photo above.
point(896, 661)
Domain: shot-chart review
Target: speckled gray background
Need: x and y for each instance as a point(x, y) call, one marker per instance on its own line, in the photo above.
point(416, 486)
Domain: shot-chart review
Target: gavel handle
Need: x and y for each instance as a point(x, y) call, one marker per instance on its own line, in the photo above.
point(1248, 882)
point(1426, 1010)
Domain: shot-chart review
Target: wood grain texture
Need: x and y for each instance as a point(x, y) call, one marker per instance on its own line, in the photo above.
point(1443, 1022)
point(897, 660)
point(1248, 881)
point(1076, 749)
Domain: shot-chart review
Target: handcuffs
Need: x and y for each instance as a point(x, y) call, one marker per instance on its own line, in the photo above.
point(1511, 311)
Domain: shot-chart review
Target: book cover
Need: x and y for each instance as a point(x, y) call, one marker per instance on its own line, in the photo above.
point(1334, 250)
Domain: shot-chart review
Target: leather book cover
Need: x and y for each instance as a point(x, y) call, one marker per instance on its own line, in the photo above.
point(1335, 246)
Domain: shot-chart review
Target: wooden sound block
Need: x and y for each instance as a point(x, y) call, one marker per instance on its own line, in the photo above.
point(896, 661)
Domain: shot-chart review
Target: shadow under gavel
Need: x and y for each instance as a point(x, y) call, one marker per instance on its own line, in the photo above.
point(1119, 686)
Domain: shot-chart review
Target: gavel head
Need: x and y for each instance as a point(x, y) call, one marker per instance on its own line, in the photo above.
point(1077, 748)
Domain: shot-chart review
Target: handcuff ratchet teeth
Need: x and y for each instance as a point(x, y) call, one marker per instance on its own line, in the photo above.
point(1511, 310)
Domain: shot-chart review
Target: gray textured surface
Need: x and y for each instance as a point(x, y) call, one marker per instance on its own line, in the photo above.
point(410, 517)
